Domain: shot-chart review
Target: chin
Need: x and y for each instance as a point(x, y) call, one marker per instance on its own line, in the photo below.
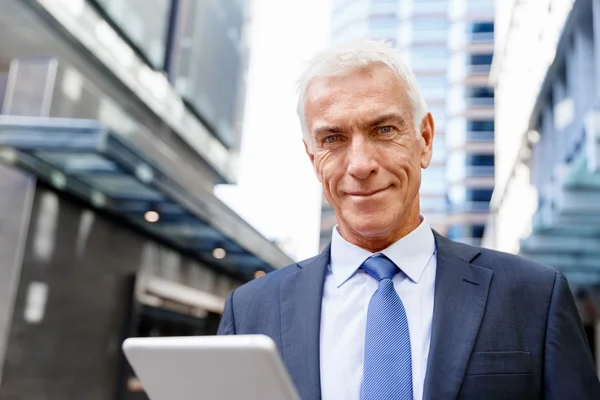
point(371, 226)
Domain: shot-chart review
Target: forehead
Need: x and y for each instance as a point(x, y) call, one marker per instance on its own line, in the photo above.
point(360, 91)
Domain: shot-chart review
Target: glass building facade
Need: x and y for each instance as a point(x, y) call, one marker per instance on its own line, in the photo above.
point(117, 120)
point(449, 46)
point(547, 202)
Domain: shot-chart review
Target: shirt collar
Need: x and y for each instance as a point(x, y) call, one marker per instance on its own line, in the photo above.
point(411, 254)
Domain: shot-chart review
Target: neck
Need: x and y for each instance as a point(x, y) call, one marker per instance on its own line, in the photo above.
point(377, 242)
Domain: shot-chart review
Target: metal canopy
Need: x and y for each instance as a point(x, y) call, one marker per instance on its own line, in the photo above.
point(89, 160)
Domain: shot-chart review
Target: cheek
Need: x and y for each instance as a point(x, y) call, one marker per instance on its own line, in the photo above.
point(404, 160)
point(329, 169)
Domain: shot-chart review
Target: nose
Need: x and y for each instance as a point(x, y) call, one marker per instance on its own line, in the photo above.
point(362, 158)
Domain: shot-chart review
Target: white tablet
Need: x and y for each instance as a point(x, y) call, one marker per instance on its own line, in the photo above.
point(210, 367)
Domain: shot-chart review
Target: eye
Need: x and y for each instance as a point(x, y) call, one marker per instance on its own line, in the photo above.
point(386, 129)
point(331, 139)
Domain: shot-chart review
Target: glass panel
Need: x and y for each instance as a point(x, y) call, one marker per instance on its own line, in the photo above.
point(481, 59)
point(481, 126)
point(209, 57)
point(479, 194)
point(144, 23)
point(480, 160)
point(480, 96)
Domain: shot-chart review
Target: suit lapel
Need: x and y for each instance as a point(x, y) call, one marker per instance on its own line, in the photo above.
point(301, 295)
point(461, 291)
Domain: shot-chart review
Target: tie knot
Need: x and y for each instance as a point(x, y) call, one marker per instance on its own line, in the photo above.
point(380, 267)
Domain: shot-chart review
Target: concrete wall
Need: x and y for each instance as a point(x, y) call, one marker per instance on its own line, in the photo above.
point(72, 298)
point(16, 194)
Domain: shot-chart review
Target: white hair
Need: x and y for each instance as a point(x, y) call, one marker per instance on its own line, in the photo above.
point(360, 54)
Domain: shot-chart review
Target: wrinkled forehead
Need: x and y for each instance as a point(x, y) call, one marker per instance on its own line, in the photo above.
point(364, 89)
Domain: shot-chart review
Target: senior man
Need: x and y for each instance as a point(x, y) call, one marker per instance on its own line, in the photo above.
point(390, 309)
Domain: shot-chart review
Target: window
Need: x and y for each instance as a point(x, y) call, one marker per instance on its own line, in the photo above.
point(481, 92)
point(480, 96)
point(481, 59)
point(482, 160)
point(482, 27)
point(479, 195)
point(143, 23)
point(480, 126)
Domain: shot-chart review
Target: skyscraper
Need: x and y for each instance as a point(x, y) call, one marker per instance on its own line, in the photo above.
point(449, 46)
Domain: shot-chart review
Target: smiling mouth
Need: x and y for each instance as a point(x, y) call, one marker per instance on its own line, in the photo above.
point(367, 194)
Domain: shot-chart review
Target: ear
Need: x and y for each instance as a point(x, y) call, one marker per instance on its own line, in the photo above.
point(311, 156)
point(426, 139)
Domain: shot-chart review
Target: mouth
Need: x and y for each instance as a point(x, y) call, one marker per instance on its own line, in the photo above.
point(369, 193)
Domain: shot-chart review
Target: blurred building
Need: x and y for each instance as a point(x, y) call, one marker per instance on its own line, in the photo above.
point(449, 45)
point(547, 202)
point(118, 118)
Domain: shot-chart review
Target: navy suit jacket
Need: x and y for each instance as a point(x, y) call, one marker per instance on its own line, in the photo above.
point(503, 327)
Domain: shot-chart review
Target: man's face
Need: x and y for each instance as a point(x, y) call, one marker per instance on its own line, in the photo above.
point(365, 150)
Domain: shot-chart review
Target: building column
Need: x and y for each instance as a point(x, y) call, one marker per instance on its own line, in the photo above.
point(28, 93)
point(16, 197)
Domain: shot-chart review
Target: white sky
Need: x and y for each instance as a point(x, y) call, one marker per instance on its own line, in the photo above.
point(277, 191)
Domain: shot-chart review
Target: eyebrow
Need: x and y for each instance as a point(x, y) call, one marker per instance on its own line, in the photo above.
point(380, 119)
point(326, 130)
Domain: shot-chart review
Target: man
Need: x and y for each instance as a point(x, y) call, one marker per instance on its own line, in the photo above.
point(391, 309)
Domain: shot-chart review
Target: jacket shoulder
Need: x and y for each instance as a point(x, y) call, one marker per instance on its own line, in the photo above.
point(502, 264)
point(514, 266)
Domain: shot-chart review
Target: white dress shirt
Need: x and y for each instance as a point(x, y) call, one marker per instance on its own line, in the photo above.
point(346, 296)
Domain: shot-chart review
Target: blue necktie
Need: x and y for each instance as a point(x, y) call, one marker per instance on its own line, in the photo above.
point(387, 371)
